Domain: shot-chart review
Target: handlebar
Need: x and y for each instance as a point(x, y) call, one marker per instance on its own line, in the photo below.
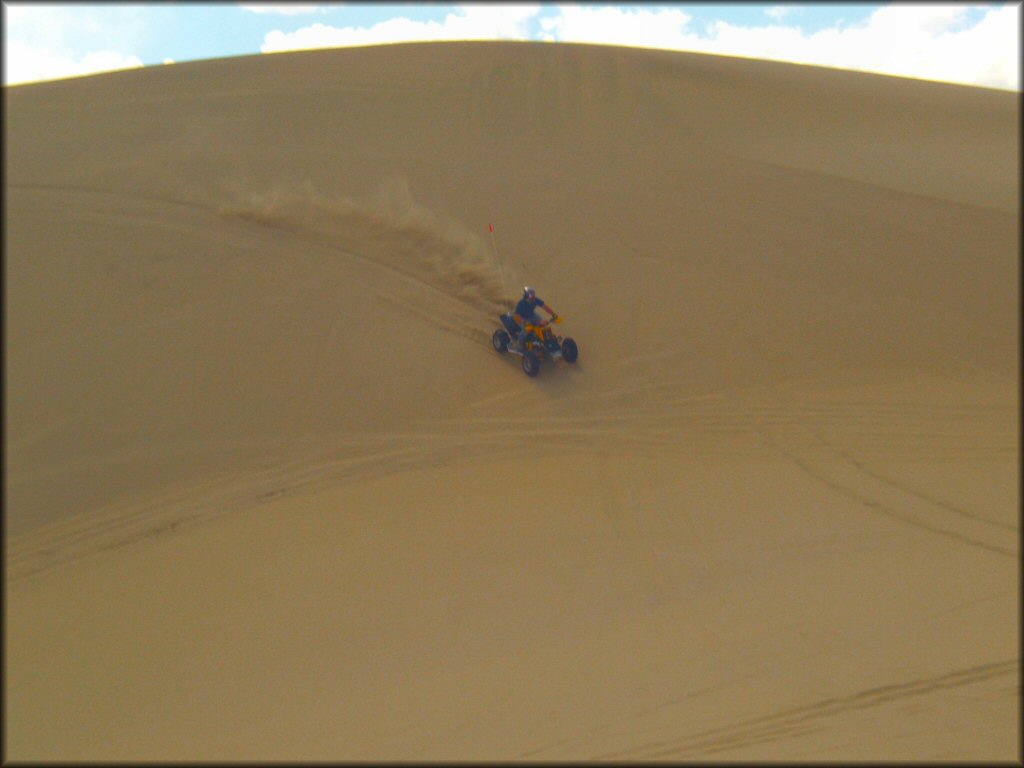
point(545, 323)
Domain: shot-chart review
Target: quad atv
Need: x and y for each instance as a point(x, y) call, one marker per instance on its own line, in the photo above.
point(541, 343)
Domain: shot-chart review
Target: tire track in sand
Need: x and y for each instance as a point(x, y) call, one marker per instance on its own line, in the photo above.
point(807, 718)
point(797, 435)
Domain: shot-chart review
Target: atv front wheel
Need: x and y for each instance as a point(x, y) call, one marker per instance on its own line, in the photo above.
point(569, 351)
point(531, 364)
point(500, 339)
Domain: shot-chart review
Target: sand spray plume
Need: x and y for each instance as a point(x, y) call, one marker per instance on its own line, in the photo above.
point(497, 258)
point(389, 228)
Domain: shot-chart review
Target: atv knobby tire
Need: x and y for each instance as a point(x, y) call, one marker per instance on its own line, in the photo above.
point(531, 364)
point(569, 351)
point(500, 339)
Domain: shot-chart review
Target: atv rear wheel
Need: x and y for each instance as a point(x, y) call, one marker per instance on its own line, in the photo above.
point(569, 351)
point(500, 339)
point(531, 364)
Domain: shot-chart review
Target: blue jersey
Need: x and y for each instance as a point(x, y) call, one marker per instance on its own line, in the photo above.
point(526, 307)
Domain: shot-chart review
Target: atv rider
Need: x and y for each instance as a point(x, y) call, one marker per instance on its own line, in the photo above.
point(525, 312)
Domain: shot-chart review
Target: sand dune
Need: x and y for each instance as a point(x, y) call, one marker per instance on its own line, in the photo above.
point(271, 494)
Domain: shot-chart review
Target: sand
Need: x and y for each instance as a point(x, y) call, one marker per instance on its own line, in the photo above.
point(271, 494)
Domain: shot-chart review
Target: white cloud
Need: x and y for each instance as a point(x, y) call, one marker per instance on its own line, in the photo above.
point(292, 9)
point(25, 64)
point(470, 22)
point(929, 42)
point(608, 25)
point(941, 42)
point(40, 41)
point(778, 11)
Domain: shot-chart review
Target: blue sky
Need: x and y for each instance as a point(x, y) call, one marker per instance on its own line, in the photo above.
point(975, 44)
